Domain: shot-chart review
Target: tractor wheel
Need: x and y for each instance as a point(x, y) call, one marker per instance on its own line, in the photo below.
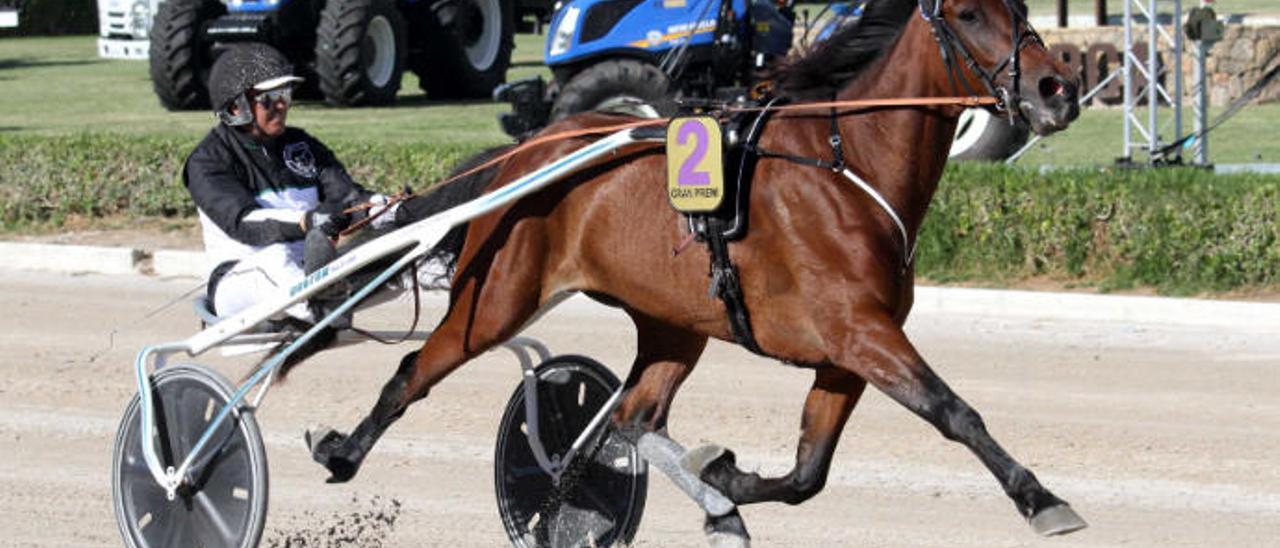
point(469, 44)
point(982, 136)
point(360, 52)
point(622, 85)
point(180, 62)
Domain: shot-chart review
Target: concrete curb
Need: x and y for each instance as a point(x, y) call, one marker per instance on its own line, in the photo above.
point(1252, 316)
point(71, 259)
point(1086, 307)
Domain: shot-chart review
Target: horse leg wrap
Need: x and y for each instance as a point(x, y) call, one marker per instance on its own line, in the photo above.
point(665, 454)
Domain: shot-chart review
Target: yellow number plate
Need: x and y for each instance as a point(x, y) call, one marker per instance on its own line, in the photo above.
point(695, 166)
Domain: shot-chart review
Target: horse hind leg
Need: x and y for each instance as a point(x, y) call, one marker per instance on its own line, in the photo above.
point(830, 402)
point(462, 335)
point(882, 354)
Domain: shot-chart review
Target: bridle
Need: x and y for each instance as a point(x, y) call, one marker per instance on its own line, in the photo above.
point(949, 43)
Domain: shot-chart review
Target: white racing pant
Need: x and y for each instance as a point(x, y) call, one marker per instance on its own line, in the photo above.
point(266, 274)
point(269, 273)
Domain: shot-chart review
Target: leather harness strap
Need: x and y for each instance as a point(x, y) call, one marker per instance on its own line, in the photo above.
point(727, 286)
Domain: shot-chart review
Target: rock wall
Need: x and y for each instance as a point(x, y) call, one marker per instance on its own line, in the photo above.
point(1235, 63)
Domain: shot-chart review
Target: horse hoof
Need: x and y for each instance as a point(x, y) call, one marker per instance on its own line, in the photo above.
point(727, 531)
point(1057, 520)
point(326, 448)
point(697, 459)
point(726, 540)
point(322, 441)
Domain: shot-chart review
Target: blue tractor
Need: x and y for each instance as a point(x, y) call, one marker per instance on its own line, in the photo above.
point(353, 52)
point(636, 56)
point(639, 56)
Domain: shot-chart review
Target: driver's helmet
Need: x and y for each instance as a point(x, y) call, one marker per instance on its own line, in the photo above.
point(242, 67)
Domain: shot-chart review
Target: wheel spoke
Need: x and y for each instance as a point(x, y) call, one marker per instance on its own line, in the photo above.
point(586, 492)
point(211, 514)
point(225, 457)
point(170, 526)
point(177, 421)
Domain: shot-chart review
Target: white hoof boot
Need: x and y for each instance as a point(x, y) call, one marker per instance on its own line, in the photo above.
point(696, 460)
point(1057, 520)
point(316, 434)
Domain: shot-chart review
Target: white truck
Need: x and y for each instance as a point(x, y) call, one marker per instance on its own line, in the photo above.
point(8, 14)
point(123, 28)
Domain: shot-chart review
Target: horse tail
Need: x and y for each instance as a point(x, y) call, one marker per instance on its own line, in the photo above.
point(455, 192)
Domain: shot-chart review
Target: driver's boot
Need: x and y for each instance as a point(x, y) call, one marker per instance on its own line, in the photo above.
point(318, 251)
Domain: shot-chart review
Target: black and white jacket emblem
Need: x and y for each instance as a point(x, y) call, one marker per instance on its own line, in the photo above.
point(299, 159)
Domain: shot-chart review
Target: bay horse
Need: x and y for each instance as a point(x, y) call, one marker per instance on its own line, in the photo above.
point(826, 269)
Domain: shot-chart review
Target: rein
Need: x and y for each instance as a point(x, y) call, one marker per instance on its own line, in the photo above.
point(848, 105)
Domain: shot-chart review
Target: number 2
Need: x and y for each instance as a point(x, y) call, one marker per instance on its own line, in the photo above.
point(689, 174)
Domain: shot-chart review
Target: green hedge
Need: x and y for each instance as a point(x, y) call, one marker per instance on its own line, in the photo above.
point(46, 180)
point(1178, 230)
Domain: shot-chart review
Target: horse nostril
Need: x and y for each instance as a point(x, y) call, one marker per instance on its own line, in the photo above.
point(1056, 87)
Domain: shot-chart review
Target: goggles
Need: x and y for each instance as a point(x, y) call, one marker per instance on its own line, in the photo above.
point(271, 97)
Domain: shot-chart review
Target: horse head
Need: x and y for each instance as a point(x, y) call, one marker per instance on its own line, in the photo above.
point(989, 45)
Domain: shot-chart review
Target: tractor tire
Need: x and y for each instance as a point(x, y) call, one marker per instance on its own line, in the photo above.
point(469, 43)
point(179, 61)
point(981, 136)
point(621, 85)
point(360, 52)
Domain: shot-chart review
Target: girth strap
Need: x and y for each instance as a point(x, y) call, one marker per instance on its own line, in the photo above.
point(726, 285)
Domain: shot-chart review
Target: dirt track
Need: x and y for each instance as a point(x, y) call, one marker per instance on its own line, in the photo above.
point(1158, 436)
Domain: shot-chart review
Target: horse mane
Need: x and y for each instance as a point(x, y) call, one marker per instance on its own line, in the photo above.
point(826, 67)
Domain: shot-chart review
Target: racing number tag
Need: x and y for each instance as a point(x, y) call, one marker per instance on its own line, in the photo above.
point(695, 174)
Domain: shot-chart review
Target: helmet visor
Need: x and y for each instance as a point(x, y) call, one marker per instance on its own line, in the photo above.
point(276, 82)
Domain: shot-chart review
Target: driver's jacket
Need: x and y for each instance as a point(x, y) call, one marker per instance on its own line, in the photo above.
point(252, 195)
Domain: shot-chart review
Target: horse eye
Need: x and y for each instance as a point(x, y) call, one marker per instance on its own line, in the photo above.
point(968, 16)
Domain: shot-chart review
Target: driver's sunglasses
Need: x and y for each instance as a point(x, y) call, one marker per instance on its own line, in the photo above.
point(271, 97)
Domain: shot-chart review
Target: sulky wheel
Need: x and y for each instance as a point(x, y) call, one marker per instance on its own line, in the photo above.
point(601, 496)
point(224, 502)
point(360, 52)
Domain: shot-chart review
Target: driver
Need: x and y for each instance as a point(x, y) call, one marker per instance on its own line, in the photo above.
point(270, 197)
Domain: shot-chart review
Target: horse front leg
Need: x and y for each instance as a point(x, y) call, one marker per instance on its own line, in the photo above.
point(880, 352)
point(832, 398)
point(665, 356)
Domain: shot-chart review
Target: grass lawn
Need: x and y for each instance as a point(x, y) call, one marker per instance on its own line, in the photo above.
point(1097, 137)
point(58, 86)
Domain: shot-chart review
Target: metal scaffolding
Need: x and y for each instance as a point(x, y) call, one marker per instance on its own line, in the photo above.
point(1150, 131)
